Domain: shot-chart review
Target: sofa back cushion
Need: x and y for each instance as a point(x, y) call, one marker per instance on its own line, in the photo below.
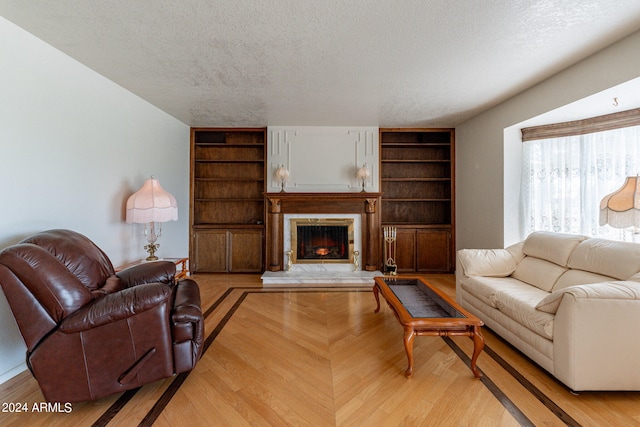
point(538, 272)
point(607, 257)
point(553, 247)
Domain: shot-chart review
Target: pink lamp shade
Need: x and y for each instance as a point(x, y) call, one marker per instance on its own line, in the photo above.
point(151, 204)
point(621, 209)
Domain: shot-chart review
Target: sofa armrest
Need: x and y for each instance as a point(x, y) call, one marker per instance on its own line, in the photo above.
point(486, 262)
point(626, 290)
point(148, 272)
point(117, 306)
point(593, 345)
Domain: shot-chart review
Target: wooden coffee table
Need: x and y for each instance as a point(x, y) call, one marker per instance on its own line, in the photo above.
point(424, 310)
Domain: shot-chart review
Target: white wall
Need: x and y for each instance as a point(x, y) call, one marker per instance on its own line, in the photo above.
point(487, 183)
point(323, 158)
point(74, 147)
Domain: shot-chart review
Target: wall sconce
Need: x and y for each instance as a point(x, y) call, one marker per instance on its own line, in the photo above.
point(282, 176)
point(621, 209)
point(363, 175)
point(150, 205)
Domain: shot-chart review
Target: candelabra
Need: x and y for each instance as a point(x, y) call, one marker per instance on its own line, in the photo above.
point(390, 265)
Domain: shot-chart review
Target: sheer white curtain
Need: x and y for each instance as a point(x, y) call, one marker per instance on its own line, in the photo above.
point(565, 178)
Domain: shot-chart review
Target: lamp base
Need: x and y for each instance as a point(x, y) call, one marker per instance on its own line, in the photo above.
point(151, 248)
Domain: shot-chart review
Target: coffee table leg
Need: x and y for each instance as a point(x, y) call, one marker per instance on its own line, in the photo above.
point(375, 294)
point(409, 335)
point(478, 345)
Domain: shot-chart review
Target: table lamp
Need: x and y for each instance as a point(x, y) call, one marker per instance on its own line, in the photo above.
point(151, 206)
point(282, 176)
point(363, 175)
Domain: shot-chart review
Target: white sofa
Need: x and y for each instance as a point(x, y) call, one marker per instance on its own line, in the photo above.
point(570, 303)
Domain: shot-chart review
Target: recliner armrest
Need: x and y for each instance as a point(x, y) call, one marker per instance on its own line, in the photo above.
point(117, 306)
point(187, 325)
point(186, 309)
point(148, 272)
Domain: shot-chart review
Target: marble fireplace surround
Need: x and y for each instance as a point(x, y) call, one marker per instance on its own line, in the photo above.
point(281, 207)
point(351, 221)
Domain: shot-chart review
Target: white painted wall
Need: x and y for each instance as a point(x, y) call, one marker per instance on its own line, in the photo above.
point(323, 158)
point(74, 146)
point(488, 173)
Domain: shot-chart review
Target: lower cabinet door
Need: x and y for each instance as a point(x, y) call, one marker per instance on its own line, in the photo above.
point(246, 251)
point(434, 251)
point(405, 250)
point(209, 251)
point(227, 251)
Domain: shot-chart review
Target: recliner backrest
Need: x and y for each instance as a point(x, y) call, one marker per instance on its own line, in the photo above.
point(79, 255)
point(49, 276)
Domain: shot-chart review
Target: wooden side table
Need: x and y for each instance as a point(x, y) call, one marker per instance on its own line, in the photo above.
point(182, 268)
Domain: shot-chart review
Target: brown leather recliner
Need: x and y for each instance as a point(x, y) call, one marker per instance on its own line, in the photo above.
point(91, 332)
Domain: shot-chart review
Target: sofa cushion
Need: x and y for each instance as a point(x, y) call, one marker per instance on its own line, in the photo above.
point(579, 277)
point(484, 288)
point(486, 262)
point(518, 302)
point(554, 247)
point(538, 272)
point(620, 260)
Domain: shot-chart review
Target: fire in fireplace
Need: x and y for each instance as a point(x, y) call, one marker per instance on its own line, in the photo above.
point(322, 240)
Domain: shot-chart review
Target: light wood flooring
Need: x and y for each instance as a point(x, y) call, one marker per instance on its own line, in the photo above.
point(322, 357)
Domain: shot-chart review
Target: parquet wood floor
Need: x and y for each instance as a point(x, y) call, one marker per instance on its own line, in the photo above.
point(322, 357)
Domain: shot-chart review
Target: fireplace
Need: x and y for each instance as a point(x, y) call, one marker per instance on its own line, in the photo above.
point(359, 207)
point(322, 240)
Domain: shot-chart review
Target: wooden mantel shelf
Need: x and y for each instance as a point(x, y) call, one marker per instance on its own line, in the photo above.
point(362, 203)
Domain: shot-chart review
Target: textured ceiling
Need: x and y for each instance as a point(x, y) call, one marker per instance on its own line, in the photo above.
point(321, 62)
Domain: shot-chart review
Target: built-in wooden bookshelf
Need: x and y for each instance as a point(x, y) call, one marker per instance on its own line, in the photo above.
point(418, 196)
point(227, 202)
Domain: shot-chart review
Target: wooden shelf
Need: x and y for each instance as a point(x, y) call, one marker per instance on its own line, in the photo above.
point(416, 179)
point(415, 144)
point(228, 161)
point(415, 161)
point(227, 203)
point(416, 200)
point(418, 196)
point(222, 199)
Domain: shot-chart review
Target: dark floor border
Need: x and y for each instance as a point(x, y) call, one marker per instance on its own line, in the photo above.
point(507, 403)
point(175, 385)
point(531, 388)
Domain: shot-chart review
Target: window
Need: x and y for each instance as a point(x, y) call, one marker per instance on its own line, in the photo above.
point(565, 177)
